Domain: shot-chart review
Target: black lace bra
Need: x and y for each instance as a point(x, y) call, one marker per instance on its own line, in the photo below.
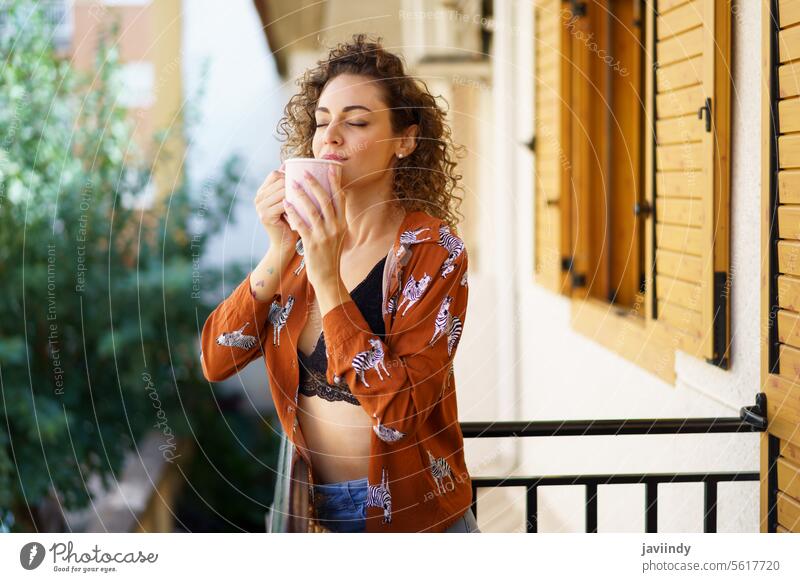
point(367, 296)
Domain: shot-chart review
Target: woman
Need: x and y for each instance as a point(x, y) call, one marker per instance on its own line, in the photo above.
point(359, 342)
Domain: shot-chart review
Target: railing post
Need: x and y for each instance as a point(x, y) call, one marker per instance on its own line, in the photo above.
point(773, 452)
point(651, 507)
point(591, 508)
point(532, 509)
point(710, 506)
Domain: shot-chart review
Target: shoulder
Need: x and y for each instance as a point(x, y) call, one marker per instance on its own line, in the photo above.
point(429, 243)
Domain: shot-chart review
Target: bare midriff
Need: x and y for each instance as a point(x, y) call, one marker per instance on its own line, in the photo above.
point(337, 434)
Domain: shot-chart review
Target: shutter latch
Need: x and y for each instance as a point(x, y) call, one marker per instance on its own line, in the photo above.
point(707, 109)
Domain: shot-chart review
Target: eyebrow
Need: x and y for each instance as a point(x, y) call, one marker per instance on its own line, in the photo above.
point(345, 109)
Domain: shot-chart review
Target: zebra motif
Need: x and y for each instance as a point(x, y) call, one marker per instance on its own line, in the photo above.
point(447, 324)
point(386, 433)
point(298, 246)
point(391, 306)
point(380, 496)
point(440, 469)
point(413, 291)
point(237, 339)
point(371, 358)
point(277, 316)
point(464, 279)
point(408, 238)
point(454, 247)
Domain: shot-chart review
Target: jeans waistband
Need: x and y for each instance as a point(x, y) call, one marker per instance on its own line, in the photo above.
point(341, 486)
point(353, 490)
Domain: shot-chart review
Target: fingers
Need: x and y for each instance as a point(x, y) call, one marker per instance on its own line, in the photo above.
point(307, 207)
point(272, 192)
point(322, 197)
point(335, 179)
point(297, 223)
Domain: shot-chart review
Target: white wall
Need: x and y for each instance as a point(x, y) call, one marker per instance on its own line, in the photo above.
point(239, 111)
point(563, 375)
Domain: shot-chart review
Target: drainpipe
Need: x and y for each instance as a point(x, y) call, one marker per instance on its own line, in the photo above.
point(503, 202)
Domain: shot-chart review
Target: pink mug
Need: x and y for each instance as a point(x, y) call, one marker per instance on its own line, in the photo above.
point(293, 170)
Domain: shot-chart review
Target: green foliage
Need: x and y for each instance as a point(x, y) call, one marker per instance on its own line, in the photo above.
point(101, 304)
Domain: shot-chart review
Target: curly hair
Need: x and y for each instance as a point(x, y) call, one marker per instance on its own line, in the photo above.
point(424, 180)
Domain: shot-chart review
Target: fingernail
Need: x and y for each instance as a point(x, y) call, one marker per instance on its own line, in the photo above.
point(297, 184)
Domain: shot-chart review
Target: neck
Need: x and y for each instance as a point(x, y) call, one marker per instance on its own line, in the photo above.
point(370, 212)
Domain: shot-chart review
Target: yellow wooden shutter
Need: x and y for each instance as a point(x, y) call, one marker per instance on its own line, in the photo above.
point(687, 174)
point(780, 299)
point(551, 165)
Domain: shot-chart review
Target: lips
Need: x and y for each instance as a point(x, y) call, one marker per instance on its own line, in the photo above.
point(333, 157)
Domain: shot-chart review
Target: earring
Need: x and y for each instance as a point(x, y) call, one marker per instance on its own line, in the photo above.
point(399, 155)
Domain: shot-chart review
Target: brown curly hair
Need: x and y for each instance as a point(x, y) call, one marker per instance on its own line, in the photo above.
point(424, 180)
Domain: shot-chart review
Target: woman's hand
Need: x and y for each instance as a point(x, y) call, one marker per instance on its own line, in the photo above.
point(269, 206)
point(322, 241)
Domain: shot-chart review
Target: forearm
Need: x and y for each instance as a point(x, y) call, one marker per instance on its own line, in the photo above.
point(265, 277)
point(330, 294)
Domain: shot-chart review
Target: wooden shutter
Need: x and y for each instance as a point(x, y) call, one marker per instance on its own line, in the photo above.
point(780, 298)
point(551, 152)
point(687, 239)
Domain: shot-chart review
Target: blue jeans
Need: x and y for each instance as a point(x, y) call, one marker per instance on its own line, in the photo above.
point(342, 508)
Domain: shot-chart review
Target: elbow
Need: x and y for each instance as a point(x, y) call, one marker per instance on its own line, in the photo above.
point(212, 373)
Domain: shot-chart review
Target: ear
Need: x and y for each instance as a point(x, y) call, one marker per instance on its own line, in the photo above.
point(408, 141)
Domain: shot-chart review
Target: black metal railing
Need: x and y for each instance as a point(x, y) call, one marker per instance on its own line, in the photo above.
point(751, 419)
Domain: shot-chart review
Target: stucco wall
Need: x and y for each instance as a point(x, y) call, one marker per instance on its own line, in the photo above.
point(559, 374)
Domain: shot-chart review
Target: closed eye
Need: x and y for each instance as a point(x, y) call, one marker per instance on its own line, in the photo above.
point(353, 124)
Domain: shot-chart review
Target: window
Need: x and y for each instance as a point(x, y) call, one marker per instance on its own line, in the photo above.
point(632, 132)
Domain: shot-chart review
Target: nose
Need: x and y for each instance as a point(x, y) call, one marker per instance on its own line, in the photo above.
point(332, 135)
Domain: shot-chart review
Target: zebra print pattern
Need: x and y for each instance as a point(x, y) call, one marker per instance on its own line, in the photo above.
point(453, 334)
point(413, 290)
point(386, 433)
point(298, 246)
point(440, 469)
point(369, 359)
point(447, 324)
point(237, 339)
point(380, 496)
point(277, 316)
point(407, 239)
point(464, 279)
point(391, 306)
point(454, 247)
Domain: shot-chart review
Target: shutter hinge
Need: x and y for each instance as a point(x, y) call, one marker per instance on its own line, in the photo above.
point(578, 279)
point(720, 315)
point(531, 144)
point(707, 109)
point(577, 8)
point(642, 209)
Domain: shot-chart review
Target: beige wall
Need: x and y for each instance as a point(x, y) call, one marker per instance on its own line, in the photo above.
point(148, 41)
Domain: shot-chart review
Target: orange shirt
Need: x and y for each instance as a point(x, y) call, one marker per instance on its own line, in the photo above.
point(418, 479)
